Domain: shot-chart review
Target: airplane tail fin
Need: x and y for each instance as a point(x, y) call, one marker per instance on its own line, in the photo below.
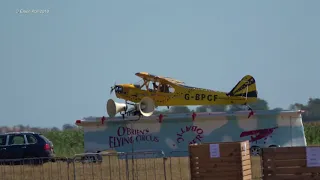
point(246, 87)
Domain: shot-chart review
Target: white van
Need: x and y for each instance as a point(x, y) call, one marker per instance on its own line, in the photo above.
point(171, 133)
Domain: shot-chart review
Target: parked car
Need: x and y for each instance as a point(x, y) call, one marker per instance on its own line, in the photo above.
point(21, 145)
point(91, 157)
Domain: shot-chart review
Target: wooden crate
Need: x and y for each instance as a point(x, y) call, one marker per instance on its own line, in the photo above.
point(291, 163)
point(227, 161)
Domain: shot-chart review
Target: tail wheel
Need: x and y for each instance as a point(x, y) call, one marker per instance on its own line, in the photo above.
point(255, 151)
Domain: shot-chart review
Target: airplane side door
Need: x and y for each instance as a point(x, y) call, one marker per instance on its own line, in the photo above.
point(164, 92)
point(155, 92)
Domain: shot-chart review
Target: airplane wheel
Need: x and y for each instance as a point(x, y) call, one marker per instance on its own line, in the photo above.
point(255, 151)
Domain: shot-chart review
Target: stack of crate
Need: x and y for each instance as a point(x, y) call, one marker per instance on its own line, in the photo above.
point(301, 163)
point(225, 161)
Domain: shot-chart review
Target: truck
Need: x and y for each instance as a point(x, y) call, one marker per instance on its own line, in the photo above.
point(172, 133)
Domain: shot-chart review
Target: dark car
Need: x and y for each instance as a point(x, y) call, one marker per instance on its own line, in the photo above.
point(21, 145)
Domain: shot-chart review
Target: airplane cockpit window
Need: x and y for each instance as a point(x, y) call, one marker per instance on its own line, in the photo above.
point(166, 88)
point(155, 86)
point(171, 89)
point(140, 84)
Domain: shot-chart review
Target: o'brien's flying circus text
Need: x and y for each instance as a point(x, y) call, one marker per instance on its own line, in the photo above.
point(127, 135)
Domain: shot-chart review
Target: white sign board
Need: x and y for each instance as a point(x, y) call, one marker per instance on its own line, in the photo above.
point(214, 151)
point(313, 156)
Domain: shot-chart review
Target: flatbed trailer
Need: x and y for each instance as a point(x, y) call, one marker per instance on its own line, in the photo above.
point(172, 133)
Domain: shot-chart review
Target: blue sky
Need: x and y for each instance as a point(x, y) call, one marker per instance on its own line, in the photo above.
point(58, 67)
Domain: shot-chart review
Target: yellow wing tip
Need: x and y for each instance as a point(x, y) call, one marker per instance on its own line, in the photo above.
point(142, 73)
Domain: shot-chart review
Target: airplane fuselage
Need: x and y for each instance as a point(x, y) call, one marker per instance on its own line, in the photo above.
point(182, 96)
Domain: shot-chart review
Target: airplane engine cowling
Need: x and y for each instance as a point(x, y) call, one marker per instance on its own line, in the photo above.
point(146, 106)
point(113, 107)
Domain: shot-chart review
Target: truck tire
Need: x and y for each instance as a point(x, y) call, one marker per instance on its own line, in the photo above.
point(255, 151)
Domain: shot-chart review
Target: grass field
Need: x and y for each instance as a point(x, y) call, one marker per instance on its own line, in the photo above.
point(68, 143)
point(110, 169)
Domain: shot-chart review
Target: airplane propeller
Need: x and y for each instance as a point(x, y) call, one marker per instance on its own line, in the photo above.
point(112, 88)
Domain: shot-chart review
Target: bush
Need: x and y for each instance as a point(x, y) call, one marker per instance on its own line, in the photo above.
point(312, 133)
point(66, 143)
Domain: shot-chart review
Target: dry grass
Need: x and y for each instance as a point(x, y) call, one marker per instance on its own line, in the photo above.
point(111, 168)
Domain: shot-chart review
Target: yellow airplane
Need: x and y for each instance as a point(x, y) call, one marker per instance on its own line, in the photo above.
point(153, 91)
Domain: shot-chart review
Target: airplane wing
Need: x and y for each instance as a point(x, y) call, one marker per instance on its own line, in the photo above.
point(152, 77)
point(147, 76)
point(173, 81)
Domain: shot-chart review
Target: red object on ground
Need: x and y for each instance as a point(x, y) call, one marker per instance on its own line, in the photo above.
point(251, 114)
point(193, 116)
point(160, 118)
point(103, 119)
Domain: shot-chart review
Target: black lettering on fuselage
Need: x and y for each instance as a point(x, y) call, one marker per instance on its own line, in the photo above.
point(186, 96)
point(209, 97)
point(203, 96)
point(198, 97)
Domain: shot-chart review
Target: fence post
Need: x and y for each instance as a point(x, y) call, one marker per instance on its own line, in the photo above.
point(127, 166)
point(133, 169)
point(164, 165)
point(74, 167)
point(68, 168)
point(261, 164)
